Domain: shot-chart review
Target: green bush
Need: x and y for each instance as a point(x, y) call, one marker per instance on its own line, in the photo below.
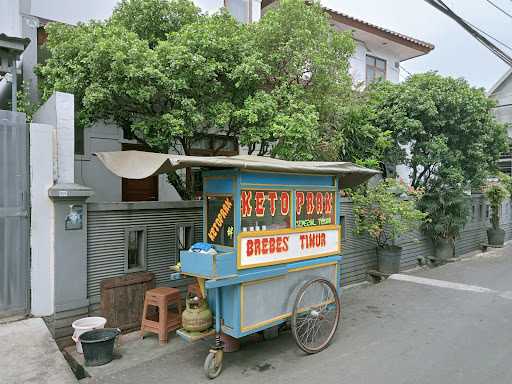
point(496, 192)
point(447, 211)
point(386, 211)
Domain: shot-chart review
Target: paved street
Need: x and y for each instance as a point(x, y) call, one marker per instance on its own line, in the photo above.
point(394, 332)
point(29, 355)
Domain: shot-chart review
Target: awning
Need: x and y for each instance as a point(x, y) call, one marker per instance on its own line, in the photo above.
point(139, 165)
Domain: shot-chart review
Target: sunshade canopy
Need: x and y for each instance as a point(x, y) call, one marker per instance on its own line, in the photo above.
point(139, 165)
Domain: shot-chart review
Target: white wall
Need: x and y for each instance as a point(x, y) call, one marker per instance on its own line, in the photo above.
point(73, 11)
point(358, 63)
point(10, 20)
point(42, 157)
point(58, 111)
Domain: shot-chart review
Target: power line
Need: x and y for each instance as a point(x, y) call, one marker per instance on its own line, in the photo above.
point(499, 8)
point(442, 7)
point(490, 36)
point(405, 70)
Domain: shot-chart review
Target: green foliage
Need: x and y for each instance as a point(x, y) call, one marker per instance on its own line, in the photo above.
point(169, 76)
point(153, 20)
point(301, 68)
point(506, 181)
point(386, 211)
point(496, 192)
point(23, 102)
point(447, 210)
point(447, 123)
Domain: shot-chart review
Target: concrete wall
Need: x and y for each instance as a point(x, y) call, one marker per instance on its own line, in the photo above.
point(42, 138)
point(89, 171)
point(58, 268)
point(58, 111)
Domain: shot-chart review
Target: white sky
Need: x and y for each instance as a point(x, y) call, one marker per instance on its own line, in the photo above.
point(456, 53)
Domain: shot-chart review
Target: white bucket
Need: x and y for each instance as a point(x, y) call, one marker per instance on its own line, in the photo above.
point(83, 325)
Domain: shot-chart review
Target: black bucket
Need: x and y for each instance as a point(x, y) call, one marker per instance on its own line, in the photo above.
point(98, 345)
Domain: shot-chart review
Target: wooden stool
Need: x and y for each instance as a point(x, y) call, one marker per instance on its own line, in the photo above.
point(167, 320)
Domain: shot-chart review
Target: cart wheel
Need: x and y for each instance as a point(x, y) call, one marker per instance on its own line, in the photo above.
point(316, 314)
point(213, 364)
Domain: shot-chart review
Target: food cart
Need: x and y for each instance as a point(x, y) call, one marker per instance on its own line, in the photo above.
point(275, 227)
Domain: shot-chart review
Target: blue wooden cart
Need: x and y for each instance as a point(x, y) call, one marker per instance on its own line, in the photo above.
point(276, 229)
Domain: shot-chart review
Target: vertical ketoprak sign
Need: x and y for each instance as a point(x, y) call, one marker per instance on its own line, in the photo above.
point(314, 235)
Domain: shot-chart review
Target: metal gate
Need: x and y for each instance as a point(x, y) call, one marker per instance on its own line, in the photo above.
point(14, 214)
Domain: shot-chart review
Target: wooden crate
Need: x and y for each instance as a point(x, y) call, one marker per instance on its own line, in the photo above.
point(122, 299)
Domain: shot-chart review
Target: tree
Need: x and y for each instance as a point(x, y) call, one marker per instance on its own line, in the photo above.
point(444, 130)
point(169, 76)
point(445, 124)
point(303, 81)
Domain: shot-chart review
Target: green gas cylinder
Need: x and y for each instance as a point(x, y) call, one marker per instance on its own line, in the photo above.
point(197, 316)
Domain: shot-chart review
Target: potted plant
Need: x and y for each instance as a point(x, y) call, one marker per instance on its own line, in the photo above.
point(385, 212)
point(495, 192)
point(447, 211)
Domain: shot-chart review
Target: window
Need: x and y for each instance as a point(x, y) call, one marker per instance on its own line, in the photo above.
point(220, 222)
point(375, 69)
point(135, 249)
point(343, 228)
point(184, 238)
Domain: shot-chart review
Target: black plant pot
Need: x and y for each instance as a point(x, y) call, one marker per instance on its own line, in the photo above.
point(444, 249)
point(496, 236)
point(388, 259)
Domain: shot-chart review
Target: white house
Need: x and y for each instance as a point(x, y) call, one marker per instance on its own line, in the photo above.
point(502, 93)
point(378, 54)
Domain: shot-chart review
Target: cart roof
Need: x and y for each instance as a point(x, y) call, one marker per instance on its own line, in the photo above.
point(139, 165)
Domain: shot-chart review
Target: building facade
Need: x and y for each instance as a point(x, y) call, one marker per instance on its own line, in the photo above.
point(501, 92)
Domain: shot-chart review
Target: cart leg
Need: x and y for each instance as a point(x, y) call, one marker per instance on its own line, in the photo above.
point(213, 362)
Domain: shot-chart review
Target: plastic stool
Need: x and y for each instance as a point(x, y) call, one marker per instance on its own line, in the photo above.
point(167, 320)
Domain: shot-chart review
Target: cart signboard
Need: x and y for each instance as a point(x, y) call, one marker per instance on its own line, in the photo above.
point(268, 235)
point(284, 246)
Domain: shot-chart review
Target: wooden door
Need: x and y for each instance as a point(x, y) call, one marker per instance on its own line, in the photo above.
point(139, 189)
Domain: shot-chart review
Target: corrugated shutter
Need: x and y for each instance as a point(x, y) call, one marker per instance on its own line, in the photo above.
point(106, 241)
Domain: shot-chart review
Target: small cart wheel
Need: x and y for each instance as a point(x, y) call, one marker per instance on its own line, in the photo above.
point(213, 364)
point(316, 315)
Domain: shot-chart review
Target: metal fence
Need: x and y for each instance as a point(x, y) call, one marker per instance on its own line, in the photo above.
point(14, 214)
point(107, 224)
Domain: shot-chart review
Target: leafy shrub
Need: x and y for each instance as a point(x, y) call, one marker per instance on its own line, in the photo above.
point(386, 211)
point(496, 193)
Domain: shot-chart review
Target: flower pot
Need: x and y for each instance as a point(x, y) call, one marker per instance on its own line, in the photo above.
point(496, 236)
point(388, 259)
point(444, 249)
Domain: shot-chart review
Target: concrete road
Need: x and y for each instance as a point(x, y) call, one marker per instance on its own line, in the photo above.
point(29, 355)
point(451, 324)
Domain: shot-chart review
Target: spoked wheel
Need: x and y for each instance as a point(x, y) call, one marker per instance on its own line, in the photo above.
point(213, 364)
point(316, 315)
